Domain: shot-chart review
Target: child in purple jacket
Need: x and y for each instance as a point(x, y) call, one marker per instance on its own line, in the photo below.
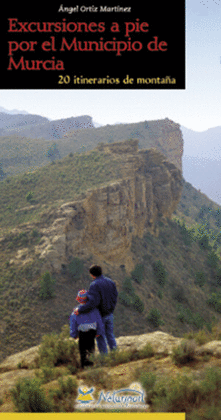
point(86, 326)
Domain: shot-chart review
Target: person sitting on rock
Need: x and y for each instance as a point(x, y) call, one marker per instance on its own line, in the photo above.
point(86, 326)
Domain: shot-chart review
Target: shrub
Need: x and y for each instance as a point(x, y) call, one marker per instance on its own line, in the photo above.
point(76, 267)
point(186, 315)
point(138, 304)
point(97, 376)
point(127, 286)
point(47, 374)
point(148, 380)
point(137, 273)
point(154, 317)
point(179, 294)
point(218, 277)
point(28, 397)
point(55, 350)
point(146, 351)
point(187, 234)
point(160, 273)
point(47, 286)
point(200, 278)
point(29, 196)
point(125, 299)
point(213, 259)
point(215, 302)
point(182, 394)
point(204, 242)
point(184, 353)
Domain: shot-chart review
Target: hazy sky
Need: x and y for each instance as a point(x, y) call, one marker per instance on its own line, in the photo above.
point(197, 107)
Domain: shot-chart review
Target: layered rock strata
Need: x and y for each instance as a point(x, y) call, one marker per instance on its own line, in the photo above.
point(103, 222)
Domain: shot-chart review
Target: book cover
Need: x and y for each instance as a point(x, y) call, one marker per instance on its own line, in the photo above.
point(118, 63)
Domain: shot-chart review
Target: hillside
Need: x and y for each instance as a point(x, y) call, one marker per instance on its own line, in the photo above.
point(173, 285)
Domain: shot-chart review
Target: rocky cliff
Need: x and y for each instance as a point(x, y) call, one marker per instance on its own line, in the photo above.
point(103, 221)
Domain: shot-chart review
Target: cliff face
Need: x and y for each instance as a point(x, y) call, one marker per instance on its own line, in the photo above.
point(103, 222)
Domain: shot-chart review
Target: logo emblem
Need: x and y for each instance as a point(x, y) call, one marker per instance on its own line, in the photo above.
point(84, 395)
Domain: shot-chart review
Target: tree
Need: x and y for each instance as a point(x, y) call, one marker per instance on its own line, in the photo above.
point(2, 173)
point(47, 286)
point(53, 152)
point(76, 268)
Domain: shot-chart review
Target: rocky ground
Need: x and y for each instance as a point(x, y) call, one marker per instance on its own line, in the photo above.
point(23, 364)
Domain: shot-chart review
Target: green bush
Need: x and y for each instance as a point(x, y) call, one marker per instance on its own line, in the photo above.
point(127, 286)
point(200, 278)
point(57, 349)
point(46, 286)
point(213, 259)
point(125, 298)
point(29, 196)
point(138, 273)
point(154, 316)
point(185, 315)
point(97, 376)
point(160, 273)
point(146, 351)
point(218, 277)
point(184, 394)
point(64, 395)
point(148, 381)
point(76, 268)
point(47, 374)
point(28, 397)
point(188, 235)
point(184, 353)
point(138, 304)
point(178, 294)
point(215, 301)
point(204, 242)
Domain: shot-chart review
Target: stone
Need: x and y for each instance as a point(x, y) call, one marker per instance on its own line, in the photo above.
point(24, 359)
point(104, 220)
point(162, 343)
point(213, 348)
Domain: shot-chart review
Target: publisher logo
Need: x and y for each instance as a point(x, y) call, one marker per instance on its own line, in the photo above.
point(131, 397)
point(85, 395)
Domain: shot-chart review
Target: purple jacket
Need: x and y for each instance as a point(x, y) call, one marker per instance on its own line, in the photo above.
point(102, 294)
point(85, 322)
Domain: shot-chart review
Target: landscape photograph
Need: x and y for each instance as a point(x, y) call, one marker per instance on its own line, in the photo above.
point(129, 181)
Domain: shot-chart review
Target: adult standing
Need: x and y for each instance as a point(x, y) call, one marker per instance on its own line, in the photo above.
point(102, 294)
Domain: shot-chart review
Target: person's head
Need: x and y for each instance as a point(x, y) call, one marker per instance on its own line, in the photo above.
point(82, 296)
point(95, 270)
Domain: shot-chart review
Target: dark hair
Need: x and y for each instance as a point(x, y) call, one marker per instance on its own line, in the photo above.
point(95, 270)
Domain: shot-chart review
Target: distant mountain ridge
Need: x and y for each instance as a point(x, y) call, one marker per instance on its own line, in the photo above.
point(202, 160)
point(13, 111)
point(35, 126)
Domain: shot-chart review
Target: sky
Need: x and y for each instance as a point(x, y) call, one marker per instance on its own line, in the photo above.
point(197, 107)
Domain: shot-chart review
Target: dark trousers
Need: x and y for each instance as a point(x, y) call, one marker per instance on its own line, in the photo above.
point(86, 346)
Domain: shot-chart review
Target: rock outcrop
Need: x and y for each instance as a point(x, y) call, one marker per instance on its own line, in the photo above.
point(23, 364)
point(103, 221)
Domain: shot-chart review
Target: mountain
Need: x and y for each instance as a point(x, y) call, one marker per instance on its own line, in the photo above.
point(13, 111)
point(25, 144)
point(35, 126)
point(53, 219)
point(201, 160)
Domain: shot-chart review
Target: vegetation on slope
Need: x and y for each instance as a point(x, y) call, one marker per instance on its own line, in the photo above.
point(175, 285)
